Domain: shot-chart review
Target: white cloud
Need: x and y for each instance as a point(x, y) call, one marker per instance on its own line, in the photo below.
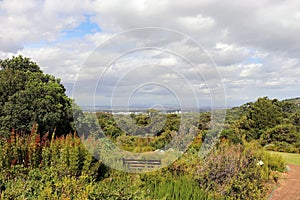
point(195, 23)
point(23, 23)
point(251, 71)
point(226, 54)
point(255, 44)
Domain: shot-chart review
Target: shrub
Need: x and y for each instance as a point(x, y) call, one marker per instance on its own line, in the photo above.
point(233, 171)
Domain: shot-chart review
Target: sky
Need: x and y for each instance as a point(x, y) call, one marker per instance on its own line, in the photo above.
point(184, 53)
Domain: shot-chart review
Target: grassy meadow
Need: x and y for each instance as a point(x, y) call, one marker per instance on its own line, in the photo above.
point(289, 158)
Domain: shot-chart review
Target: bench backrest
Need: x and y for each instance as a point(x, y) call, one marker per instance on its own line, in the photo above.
point(139, 164)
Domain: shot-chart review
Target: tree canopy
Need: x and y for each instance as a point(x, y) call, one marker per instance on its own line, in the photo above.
point(28, 96)
point(19, 63)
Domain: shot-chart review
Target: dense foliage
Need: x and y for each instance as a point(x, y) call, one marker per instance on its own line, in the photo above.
point(275, 124)
point(61, 168)
point(27, 97)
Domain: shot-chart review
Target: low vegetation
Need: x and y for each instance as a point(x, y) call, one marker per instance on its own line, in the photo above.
point(61, 168)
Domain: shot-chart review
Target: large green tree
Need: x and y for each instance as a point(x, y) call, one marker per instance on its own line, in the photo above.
point(28, 96)
point(263, 114)
point(255, 118)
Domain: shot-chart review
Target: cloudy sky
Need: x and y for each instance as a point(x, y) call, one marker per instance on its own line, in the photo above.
point(200, 52)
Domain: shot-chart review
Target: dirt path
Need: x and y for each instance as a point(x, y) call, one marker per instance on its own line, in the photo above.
point(289, 186)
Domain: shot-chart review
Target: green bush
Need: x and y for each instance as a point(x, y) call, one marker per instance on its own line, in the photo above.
point(234, 171)
point(32, 168)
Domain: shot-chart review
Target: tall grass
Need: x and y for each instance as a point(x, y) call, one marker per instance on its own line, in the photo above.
point(179, 188)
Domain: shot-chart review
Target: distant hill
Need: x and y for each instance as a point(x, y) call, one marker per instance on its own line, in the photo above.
point(235, 113)
point(295, 100)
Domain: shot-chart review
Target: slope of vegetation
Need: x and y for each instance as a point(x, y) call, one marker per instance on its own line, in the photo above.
point(275, 124)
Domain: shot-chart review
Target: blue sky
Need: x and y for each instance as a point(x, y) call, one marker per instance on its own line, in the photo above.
point(84, 28)
point(254, 47)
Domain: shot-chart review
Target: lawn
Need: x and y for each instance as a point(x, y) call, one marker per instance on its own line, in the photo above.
point(290, 158)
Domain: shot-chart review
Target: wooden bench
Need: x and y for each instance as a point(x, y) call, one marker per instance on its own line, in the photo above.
point(139, 164)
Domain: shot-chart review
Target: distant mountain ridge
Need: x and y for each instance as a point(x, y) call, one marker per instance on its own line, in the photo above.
point(144, 108)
